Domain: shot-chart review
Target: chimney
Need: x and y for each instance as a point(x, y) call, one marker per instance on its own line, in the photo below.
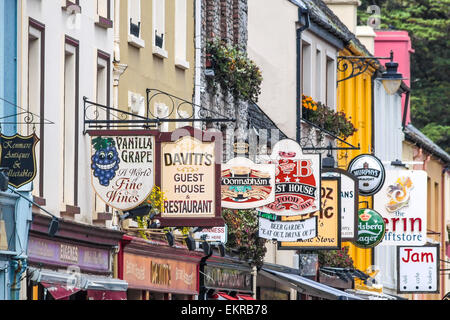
point(346, 10)
point(366, 36)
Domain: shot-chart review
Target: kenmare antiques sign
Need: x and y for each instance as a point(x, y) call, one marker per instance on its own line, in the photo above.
point(18, 155)
point(297, 182)
point(122, 169)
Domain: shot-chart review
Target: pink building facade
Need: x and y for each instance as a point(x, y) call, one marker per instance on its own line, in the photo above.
point(399, 42)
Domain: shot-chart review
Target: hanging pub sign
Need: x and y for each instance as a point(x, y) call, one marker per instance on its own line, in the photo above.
point(370, 173)
point(371, 229)
point(402, 202)
point(190, 178)
point(216, 234)
point(246, 185)
point(122, 167)
point(18, 155)
point(329, 221)
point(418, 269)
point(349, 202)
point(287, 230)
point(297, 182)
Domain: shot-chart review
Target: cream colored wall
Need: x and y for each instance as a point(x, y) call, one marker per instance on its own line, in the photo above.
point(145, 70)
point(346, 10)
point(272, 45)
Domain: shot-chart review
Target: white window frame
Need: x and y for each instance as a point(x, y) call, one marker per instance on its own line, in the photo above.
point(181, 34)
point(137, 42)
point(306, 57)
point(159, 12)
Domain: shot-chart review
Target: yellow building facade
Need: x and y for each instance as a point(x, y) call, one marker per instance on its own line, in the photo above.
point(157, 51)
point(354, 98)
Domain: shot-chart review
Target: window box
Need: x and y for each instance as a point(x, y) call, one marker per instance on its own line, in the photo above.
point(160, 53)
point(103, 22)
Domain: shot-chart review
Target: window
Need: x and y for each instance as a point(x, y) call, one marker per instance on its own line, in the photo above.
point(306, 69)
point(70, 123)
point(103, 18)
point(318, 72)
point(159, 36)
point(35, 94)
point(180, 34)
point(330, 83)
point(134, 24)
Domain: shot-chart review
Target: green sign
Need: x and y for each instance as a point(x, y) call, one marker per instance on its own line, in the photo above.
point(371, 228)
point(268, 216)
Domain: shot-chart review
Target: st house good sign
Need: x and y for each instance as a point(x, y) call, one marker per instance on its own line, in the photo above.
point(297, 182)
point(122, 169)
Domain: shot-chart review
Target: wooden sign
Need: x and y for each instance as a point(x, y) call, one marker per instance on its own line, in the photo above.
point(190, 179)
point(297, 182)
point(246, 185)
point(122, 168)
point(329, 221)
point(18, 155)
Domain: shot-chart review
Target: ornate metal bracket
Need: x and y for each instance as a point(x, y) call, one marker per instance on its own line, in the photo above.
point(357, 65)
point(22, 116)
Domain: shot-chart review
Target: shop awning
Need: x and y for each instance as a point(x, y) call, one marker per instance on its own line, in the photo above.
point(224, 296)
point(106, 295)
point(244, 297)
point(370, 295)
point(81, 281)
point(307, 286)
point(60, 292)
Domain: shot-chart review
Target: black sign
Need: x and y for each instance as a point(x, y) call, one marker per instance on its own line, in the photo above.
point(227, 278)
point(17, 154)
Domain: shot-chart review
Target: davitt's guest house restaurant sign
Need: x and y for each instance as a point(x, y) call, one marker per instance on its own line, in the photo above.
point(17, 154)
point(190, 180)
point(297, 182)
point(122, 168)
point(247, 185)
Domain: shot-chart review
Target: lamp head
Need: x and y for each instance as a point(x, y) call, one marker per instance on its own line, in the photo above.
point(391, 79)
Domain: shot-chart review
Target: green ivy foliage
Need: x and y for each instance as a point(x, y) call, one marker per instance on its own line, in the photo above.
point(234, 71)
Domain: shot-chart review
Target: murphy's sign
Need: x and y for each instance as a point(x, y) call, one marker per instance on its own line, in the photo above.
point(18, 155)
point(122, 167)
point(370, 173)
point(297, 182)
point(247, 185)
point(190, 179)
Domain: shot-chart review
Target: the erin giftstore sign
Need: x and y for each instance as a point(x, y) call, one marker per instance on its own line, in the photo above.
point(122, 168)
point(18, 155)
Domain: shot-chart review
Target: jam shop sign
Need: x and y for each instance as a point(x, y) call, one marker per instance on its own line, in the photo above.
point(18, 155)
point(402, 202)
point(418, 269)
point(371, 229)
point(370, 173)
point(122, 169)
point(297, 182)
point(247, 185)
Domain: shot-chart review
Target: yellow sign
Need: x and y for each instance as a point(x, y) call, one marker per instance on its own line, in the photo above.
point(329, 225)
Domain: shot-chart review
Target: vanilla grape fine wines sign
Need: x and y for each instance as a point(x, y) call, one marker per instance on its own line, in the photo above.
point(123, 169)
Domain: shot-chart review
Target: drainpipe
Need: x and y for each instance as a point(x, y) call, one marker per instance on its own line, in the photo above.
point(198, 58)
point(443, 230)
point(301, 12)
point(202, 292)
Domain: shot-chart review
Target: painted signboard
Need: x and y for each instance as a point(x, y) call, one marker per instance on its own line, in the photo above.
point(402, 202)
point(418, 269)
point(218, 234)
point(370, 172)
point(122, 168)
point(246, 185)
point(18, 155)
point(371, 229)
point(190, 179)
point(297, 182)
point(288, 230)
point(349, 202)
point(329, 221)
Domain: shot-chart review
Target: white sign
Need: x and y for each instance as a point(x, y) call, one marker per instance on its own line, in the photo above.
point(218, 234)
point(122, 169)
point(418, 269)
point(288, 231)
point(402, 202)
point(349, 202)
point(246, 185)
point(297, 183)
point(370, 172)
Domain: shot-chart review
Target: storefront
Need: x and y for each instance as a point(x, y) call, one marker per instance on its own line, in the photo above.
point(225, 278)
point(76, 264)
point(156, 271)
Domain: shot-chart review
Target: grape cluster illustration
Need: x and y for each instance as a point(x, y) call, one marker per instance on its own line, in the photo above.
point(105, 161)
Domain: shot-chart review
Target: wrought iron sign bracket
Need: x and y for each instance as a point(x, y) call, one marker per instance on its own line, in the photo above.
point(357, 65)
point(29, 118)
